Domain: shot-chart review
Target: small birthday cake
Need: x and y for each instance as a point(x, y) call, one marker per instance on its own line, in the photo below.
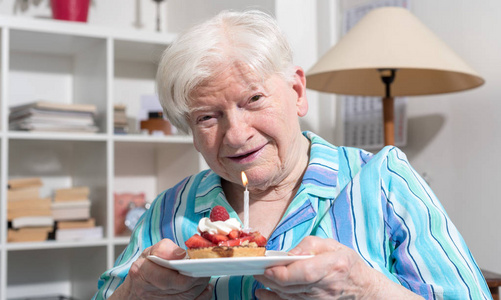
point(222, 236)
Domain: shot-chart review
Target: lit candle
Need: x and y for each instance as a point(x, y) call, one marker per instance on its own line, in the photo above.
point(246, 202)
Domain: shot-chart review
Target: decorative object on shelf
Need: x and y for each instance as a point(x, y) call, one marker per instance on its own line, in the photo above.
point(158, 13)
point(123, 203)
point(134, 214)
point(391, 53)
point(156, 124)
point(70, 10)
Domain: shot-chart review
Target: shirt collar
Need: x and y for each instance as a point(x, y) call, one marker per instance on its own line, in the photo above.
point(319, 180)
point(209, 191)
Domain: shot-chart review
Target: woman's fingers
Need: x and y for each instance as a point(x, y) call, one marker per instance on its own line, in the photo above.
point(150, 279)
point(263, 294)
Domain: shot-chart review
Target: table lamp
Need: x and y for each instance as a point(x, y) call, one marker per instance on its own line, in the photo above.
point(390, 53)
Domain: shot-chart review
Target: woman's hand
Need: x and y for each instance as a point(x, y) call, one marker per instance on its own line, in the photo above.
point(335, 272)
point(147, 280)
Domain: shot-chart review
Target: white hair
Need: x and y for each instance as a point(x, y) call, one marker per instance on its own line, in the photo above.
point(252, 38)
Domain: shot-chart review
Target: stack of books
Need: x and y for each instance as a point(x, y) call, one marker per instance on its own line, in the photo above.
point(53, 117)
point(29, 215)
point(71, 211)
point(120, 124)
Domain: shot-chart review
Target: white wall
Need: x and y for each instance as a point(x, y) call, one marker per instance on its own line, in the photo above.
point(452, 138)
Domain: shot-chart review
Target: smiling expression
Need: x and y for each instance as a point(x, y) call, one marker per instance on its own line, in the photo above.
point(243, 123)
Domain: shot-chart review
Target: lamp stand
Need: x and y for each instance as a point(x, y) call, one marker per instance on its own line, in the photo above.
point(387, 76)
point(388, 121)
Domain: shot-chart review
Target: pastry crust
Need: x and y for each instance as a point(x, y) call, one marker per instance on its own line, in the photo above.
point(218, 252)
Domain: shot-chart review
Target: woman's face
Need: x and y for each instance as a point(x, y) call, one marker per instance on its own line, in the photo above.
point(244, 123)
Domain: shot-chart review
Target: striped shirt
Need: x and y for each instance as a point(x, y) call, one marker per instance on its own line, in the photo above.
point(375, 204)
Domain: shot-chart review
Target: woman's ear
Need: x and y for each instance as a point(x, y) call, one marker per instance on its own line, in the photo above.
point(299, 86)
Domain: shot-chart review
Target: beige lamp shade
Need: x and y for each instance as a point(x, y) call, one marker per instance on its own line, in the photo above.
point(391, 38)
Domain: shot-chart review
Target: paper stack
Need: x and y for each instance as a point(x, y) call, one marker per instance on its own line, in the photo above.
point(71, 211)
point(29, 215)
point(53, 117)
point(120, 124)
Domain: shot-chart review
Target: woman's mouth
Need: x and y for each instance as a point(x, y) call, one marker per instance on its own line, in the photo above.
point(246, 157)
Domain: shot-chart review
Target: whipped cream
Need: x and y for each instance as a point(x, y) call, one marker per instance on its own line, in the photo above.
point(218, 227)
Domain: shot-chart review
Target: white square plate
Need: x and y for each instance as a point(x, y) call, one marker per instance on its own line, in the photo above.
point(228, 265)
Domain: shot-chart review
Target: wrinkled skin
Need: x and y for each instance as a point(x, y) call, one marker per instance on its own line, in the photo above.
point(147, 280)
point(335, 272)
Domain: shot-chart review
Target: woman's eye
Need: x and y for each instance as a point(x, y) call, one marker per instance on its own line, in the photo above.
point(203, 119)
point(255, 98)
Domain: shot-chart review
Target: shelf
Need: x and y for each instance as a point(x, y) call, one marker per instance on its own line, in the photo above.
point(55, 245)
point(61, 136)
point(68, 62)
point(82, 29)
point(136, 138)
point(55, 271)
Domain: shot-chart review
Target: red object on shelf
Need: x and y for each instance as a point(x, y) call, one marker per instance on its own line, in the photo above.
point(70, 10)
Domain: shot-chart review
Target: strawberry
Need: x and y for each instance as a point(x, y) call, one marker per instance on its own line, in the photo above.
point(235, 242)
point(245, 233)
point(197, 241)
point(234, 234)
point(259, 239)
point(219, 213)
point(214, 238)
point(230, 243)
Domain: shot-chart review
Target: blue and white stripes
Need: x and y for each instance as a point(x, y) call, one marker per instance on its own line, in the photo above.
point(375, 204)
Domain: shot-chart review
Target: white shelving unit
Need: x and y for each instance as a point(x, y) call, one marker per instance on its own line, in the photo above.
point(78, 63)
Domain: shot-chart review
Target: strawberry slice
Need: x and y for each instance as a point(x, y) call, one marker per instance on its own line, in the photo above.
point(219, 213)
point(197, 241)
point(215, 238)
point(230, 243)
point(245, 233)
point(234, 234)
point(235, 242)
point(259, 239)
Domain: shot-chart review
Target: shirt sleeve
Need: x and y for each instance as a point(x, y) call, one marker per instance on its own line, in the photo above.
point(426, 252)
point(145, 234)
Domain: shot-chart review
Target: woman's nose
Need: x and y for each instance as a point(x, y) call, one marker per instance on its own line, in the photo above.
point(237, 129)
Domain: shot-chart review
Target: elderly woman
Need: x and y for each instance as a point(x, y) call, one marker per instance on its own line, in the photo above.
point(375, 228)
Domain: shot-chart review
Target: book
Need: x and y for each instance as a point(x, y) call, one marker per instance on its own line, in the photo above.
point(72, 210)
point(34, 221)
point(49, 127)
point(17, 213)
point(76, 224)
point(71, 214)
point(28, 193)
point(34, 116)
point(16, 183)
point(71, 234)
point(78, 193)
point(56, 106)
point(42, 114)
point(53, 117)
point(37, 203)
point(71, 204)
point(30, 234)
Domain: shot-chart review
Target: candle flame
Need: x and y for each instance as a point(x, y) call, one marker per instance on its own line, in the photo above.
point(244, 179)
